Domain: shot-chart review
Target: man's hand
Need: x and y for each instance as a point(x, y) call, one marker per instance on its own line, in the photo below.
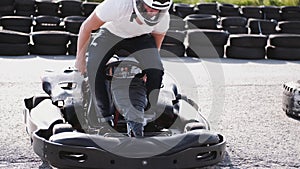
point(80, 64)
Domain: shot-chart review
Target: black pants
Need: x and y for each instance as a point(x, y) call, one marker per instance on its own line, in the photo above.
point(103, 46)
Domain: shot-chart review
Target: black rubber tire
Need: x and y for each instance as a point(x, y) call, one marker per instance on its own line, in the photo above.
point(70, 8)
point(7, 10)
point(206, 37)
point(229, 10)
point(44, 23)
point(51, 37)
point(208, 8)
point(177, 24)
point(16, 21)
point(182, 10)
point(248, 40)
point(172, 50)
point(251, 12)
point(18, 28)
point(6, 2)
point(8, 49)
point(25, 7)
point(14, 37)
point(290, 13)
point(73, 23)
point(285, 40)
point(236, 30)
point(72, 49)
point(39, 49)
point(47, 8)
point(282, 53)
point(205, 51)
point(265, 27)
point(245, 52)
point(202, 23)
point(62, 127)
point(174, 37)
point(88, 7)
point(271, 12)
point(233, 21)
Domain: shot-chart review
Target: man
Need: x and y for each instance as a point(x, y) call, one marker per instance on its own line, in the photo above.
point(138, 26)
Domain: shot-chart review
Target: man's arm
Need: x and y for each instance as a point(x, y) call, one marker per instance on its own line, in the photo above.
point(93, 22)
point(158, 37)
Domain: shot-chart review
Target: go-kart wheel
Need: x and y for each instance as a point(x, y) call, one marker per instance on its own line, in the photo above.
point(63, 127)
point(194, 126)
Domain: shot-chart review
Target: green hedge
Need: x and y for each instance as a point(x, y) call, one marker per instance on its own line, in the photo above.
point(238, 2)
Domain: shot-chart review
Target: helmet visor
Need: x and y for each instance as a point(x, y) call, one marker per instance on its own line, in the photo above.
point(150, 14)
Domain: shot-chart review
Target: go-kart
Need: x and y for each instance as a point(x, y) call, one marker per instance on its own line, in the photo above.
point(291, 99)
point(66, 133)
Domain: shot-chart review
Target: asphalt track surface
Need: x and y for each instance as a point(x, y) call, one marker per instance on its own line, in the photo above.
point(241, 99)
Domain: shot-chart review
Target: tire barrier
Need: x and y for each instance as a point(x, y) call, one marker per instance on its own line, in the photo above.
point(183, 10)
point(72, 46)
point(47, 22)
point(24, 7)
point(70, 8)
point(260, 26)
point(47, 8)
point(49, 43)
point(284, 47)
point(234, 24)
point(290, 13)
point(247, 46)
point(17, 23)
point(206, 43)
point(201, 21)
point(173, 44)
point(271, 12)
point(6, 7)
point(207, 8)
point(292, 27)
point(229, 10)
point(251, 12)
point(73, 23)
point(88, 8)
point(14, 43)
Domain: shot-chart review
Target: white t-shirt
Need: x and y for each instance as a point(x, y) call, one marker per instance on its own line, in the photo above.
point(117, 13)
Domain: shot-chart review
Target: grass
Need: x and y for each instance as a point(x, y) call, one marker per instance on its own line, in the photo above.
point(238, 2)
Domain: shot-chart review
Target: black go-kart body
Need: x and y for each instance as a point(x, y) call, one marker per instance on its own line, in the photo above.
point(64, 132)
point(291, 99)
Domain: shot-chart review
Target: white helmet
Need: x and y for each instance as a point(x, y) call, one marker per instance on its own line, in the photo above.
point(140, 9)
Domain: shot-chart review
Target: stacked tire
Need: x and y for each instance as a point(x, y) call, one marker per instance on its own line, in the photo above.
point(47, 22)
point(73, 23)
point(88, 7)
point(206, 43)
point(173, 44)
point(6, 7)
point(261, 26)
point(14, 43)
point(201, 21)
point(25, 7)
point(207, 8)
point(246, 46)
point(17, 23)
point(70, 8)
point(251, 12)
point(183, 10)
point(49, 43)
point(290, 13)
point(72, 46)
point(292, 27)
point(45, 7)
point(229, 10)
point(271, 12)
point(234, 24)
point(284, 47)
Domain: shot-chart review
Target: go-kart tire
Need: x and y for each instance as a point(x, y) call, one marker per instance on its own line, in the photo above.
point(229, 10)
point(289, 26)
point(201, 21)
point(16, 21)
point(208, 8)
point(206, 37)
point(237, 52)
point(47, 8)
point(194, 126)
point(285, 40)
point(265, 27)
point(174, 37)
point(246, 40)
point(183, 10)
point(58, 38)
point(63, 127)
point(13, 37)
point(282, 53)
point(39, 49)
point(172, 50)
point(73, 23)
point(251, 12)
point(70, 8)
point(8, 49)
point(236, 30)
